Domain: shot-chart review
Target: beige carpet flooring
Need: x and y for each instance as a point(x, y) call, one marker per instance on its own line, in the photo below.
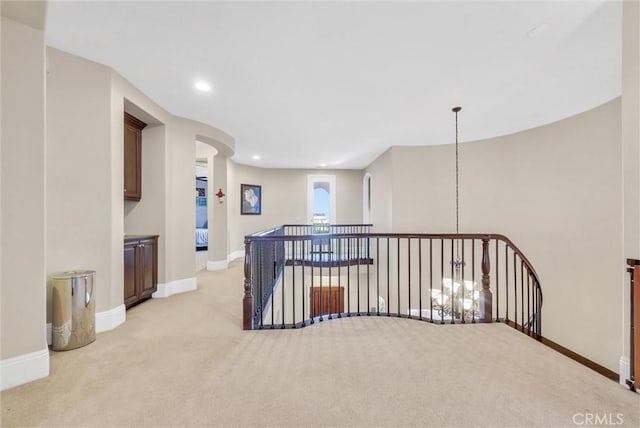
point(185, 361)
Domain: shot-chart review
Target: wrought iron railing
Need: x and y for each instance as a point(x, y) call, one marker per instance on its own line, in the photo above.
point(294, 278)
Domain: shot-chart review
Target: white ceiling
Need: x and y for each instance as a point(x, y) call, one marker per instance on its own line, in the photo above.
point(305, 83)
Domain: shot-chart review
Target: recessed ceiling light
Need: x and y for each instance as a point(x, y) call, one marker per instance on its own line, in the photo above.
point(322, 165)
point(203, 86)
point(538, 30)
point(255, 157)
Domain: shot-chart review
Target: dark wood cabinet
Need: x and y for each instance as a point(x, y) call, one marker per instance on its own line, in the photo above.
point(634, 354)
point(140, 268)
point(133, 157)
point(326, 300)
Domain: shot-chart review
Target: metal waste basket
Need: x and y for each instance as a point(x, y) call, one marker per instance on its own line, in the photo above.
point(73, 310)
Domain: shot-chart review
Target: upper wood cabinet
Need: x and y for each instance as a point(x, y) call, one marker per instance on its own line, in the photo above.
point(133, 157)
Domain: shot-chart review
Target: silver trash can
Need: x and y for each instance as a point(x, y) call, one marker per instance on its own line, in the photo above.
point(73, 310)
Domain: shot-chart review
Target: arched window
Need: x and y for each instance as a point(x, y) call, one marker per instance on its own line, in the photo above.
point(321, 199)
point(366, 199)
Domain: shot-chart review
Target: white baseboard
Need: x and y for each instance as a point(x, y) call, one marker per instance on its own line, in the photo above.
point(625, 370)
point(224, 264)
point(108, 320)
point(217, 265)
point(24, 368)
point(105, 321)
point(175, 287)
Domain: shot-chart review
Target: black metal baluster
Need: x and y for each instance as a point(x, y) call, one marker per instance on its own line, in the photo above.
point(515, 291)
point(441, 280)
point(473, 278)
point(430, 279)
point(409, 277)
point(497, 284)
point(312, 303)
point(339, 263)
point(304, 283)
point(462, 285)
point(506, 282)
point(329, 261)
point(378, 274)
point(398, 269)
point(358, 273)
point(272, 283)
point(522, 294)
point(349, 276)
point(293, 280)
point(282, 284)
point(529, 320)
point(321, 312)
point(420, 278)
point(388, 305)
point(453, 302)
point(368, 278)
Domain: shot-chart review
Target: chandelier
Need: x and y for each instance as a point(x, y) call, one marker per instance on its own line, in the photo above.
point(457, 298)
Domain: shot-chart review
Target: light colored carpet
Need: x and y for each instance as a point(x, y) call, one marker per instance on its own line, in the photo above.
point(185, 361)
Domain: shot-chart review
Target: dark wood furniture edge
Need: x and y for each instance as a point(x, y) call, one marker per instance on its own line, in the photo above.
point(129, 238)
point(631, 382)
point(570, 354)
point(135, 120)
point(580, 359)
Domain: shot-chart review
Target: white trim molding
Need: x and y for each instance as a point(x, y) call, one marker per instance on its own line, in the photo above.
point(105, 321)
point(176, 287)
point(217, 265)
point(625, 370)
point(24, 368)
point(235, 255)
point(108, 320)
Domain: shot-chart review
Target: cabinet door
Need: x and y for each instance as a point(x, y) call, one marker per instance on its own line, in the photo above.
point(130, 294)
point(329, 301)
point(133, 157)
point(148, 259)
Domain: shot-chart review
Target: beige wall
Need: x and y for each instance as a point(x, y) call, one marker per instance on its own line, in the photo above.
point(219, 246)
point(78, 170)
point(284, 199)
point(22, 172)
point(381, 192)
point(555, 191)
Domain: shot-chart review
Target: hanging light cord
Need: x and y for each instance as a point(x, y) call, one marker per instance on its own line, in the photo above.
point(456, 110)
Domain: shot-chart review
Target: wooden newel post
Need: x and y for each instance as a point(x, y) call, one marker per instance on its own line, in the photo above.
point(486, 298)
point(247, 301)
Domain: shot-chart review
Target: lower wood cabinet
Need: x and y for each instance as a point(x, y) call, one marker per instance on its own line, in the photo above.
point(140, 268)
point(326, 300)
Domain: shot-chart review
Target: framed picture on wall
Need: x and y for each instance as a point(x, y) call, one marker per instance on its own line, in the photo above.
point(250, 199)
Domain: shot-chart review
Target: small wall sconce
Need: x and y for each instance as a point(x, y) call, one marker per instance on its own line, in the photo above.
point(220, 196)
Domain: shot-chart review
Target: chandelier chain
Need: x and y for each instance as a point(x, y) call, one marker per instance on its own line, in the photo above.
point(457, 185)
point(456, 110)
